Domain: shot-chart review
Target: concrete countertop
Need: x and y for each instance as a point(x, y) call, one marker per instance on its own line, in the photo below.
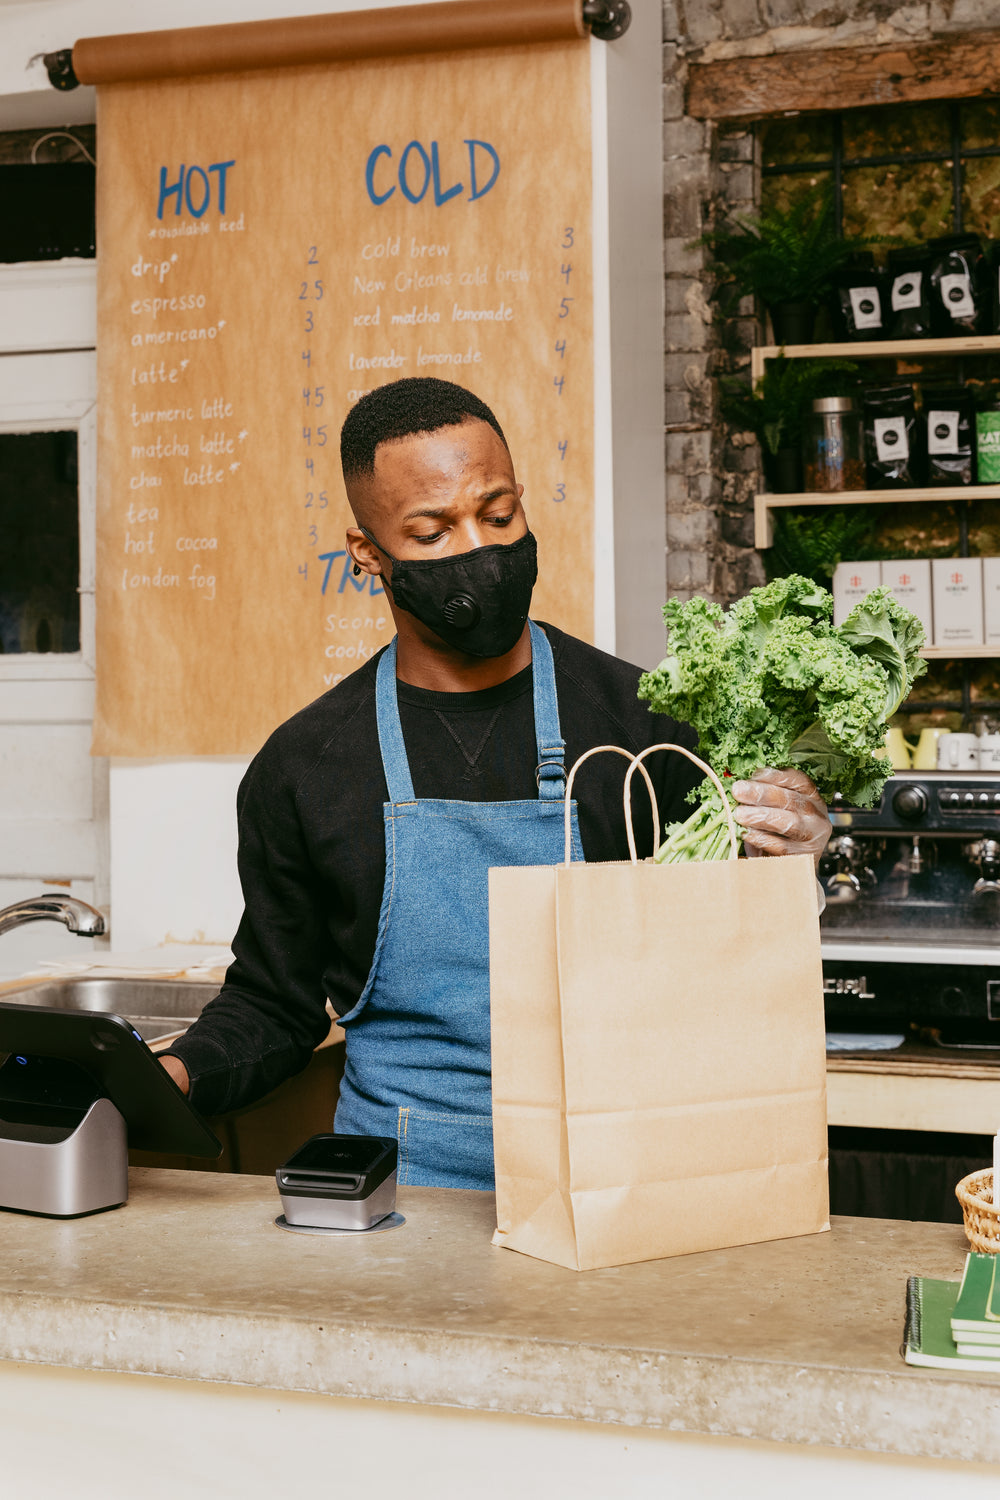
point(794, 1341)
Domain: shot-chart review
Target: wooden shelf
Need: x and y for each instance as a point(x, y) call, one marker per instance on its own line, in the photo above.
point(960, 653)
point(875, 349)
point(764, 504)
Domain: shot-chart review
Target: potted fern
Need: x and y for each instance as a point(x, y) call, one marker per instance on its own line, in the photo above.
point(786, 257)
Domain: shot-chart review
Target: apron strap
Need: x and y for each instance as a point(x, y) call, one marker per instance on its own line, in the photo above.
point(390, 730)
point(550, 773)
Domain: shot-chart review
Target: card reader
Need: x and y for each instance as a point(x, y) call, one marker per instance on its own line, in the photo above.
point(339, 1182)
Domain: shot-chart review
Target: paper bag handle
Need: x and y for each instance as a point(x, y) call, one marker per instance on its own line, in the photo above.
point(734, 848)
point(568, 804)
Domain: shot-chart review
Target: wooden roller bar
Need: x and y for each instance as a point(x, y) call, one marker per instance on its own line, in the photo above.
point(402, 30)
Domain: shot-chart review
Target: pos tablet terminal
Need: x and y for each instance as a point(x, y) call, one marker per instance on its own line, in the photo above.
point(77, 1088)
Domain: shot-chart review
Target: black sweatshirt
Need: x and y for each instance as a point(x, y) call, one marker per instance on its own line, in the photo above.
point(312, 849)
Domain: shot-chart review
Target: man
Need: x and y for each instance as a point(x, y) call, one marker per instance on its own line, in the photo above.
point(369, 820)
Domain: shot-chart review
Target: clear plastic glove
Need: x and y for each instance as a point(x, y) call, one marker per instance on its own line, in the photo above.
point(781, 812)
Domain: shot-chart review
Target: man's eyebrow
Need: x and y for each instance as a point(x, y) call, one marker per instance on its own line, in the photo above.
point(437, 512)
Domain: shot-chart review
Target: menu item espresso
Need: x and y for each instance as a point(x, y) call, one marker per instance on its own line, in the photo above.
point(892, 451)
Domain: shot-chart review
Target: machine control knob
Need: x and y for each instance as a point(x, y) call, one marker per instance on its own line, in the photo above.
point(969, 799)
point(984, 799)
point(910, 803)
point(996, 799)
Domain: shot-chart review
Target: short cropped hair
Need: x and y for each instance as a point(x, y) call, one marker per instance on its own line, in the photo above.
point(402, 409)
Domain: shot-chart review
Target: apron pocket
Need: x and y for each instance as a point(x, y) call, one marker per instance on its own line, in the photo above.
point(445, 1150)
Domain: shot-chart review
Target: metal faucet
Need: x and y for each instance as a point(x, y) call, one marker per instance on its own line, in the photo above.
point(50, 906)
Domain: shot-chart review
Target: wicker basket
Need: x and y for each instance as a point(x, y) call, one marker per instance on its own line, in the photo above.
point(982, 1219)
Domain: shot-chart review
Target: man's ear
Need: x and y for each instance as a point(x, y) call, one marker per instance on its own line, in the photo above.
point(363, 553)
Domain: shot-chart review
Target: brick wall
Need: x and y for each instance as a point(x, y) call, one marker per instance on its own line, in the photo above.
point(712, 472)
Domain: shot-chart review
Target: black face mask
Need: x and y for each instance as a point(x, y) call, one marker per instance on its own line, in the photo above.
point(477, 601)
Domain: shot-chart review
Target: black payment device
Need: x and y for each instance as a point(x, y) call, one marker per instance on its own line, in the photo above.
point(77, 1088)
point(339, 1182)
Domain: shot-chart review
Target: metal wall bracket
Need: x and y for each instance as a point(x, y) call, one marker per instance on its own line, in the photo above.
point(59, 66)
point(607, 19)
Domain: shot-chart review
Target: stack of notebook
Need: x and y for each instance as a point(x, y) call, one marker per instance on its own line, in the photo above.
point(955, 1324)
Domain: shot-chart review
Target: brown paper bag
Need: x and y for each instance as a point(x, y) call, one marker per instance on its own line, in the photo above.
point(659, 1064)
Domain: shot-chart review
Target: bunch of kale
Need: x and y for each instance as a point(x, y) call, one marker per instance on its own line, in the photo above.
point(772, 682)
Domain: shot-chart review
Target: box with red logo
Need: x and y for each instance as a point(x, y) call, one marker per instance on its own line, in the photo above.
point(909, 578)
point(851, 582)
point(991, 600)
point(958, 601)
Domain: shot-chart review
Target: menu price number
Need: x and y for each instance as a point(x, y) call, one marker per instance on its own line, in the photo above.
point(313, 399)
point(564, 311)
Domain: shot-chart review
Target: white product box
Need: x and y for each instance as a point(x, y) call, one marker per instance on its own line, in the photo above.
point(851, 582)
point(991, 600)
point(910, 581)
point(958, 601)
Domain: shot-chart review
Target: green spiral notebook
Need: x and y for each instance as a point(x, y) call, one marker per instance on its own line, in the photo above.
point(976, 1318)
point(927, 1339)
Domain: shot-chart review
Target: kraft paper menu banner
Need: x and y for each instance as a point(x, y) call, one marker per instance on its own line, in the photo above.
point(272, 245)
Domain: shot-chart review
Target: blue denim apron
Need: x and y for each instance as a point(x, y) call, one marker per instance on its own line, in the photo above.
point(418, 1040)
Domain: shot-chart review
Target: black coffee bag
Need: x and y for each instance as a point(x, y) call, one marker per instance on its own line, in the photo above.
point(949, 421)
point(860, 306)
point(909, 298)
point(893, 451)
point(959, 294)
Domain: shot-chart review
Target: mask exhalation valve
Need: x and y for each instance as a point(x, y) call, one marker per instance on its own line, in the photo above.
point(462, 612)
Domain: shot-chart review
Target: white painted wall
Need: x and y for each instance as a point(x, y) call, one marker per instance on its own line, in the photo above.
point(173, 851)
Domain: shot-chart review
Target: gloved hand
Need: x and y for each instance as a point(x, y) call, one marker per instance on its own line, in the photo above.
point(781, 812)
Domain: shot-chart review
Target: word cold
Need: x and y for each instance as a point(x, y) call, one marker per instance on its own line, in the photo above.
point(419, 171)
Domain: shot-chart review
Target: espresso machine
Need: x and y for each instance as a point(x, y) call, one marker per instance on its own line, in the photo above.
point(911, 930)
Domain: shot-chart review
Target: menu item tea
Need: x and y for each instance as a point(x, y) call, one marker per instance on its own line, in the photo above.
point(893, 446)
point(860, 299)
point(949, 424)
point(908, 276)
point(959, 304)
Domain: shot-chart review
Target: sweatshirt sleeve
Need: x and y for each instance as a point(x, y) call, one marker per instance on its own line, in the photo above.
point(271, 1012)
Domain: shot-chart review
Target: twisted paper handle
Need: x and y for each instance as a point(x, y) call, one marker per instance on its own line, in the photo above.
point(734, 848)
point(567, 806)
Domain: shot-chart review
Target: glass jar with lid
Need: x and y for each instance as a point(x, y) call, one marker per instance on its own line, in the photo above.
point(833, 449)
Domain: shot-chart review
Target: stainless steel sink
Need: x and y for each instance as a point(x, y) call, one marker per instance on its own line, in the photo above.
point(155, 1007)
